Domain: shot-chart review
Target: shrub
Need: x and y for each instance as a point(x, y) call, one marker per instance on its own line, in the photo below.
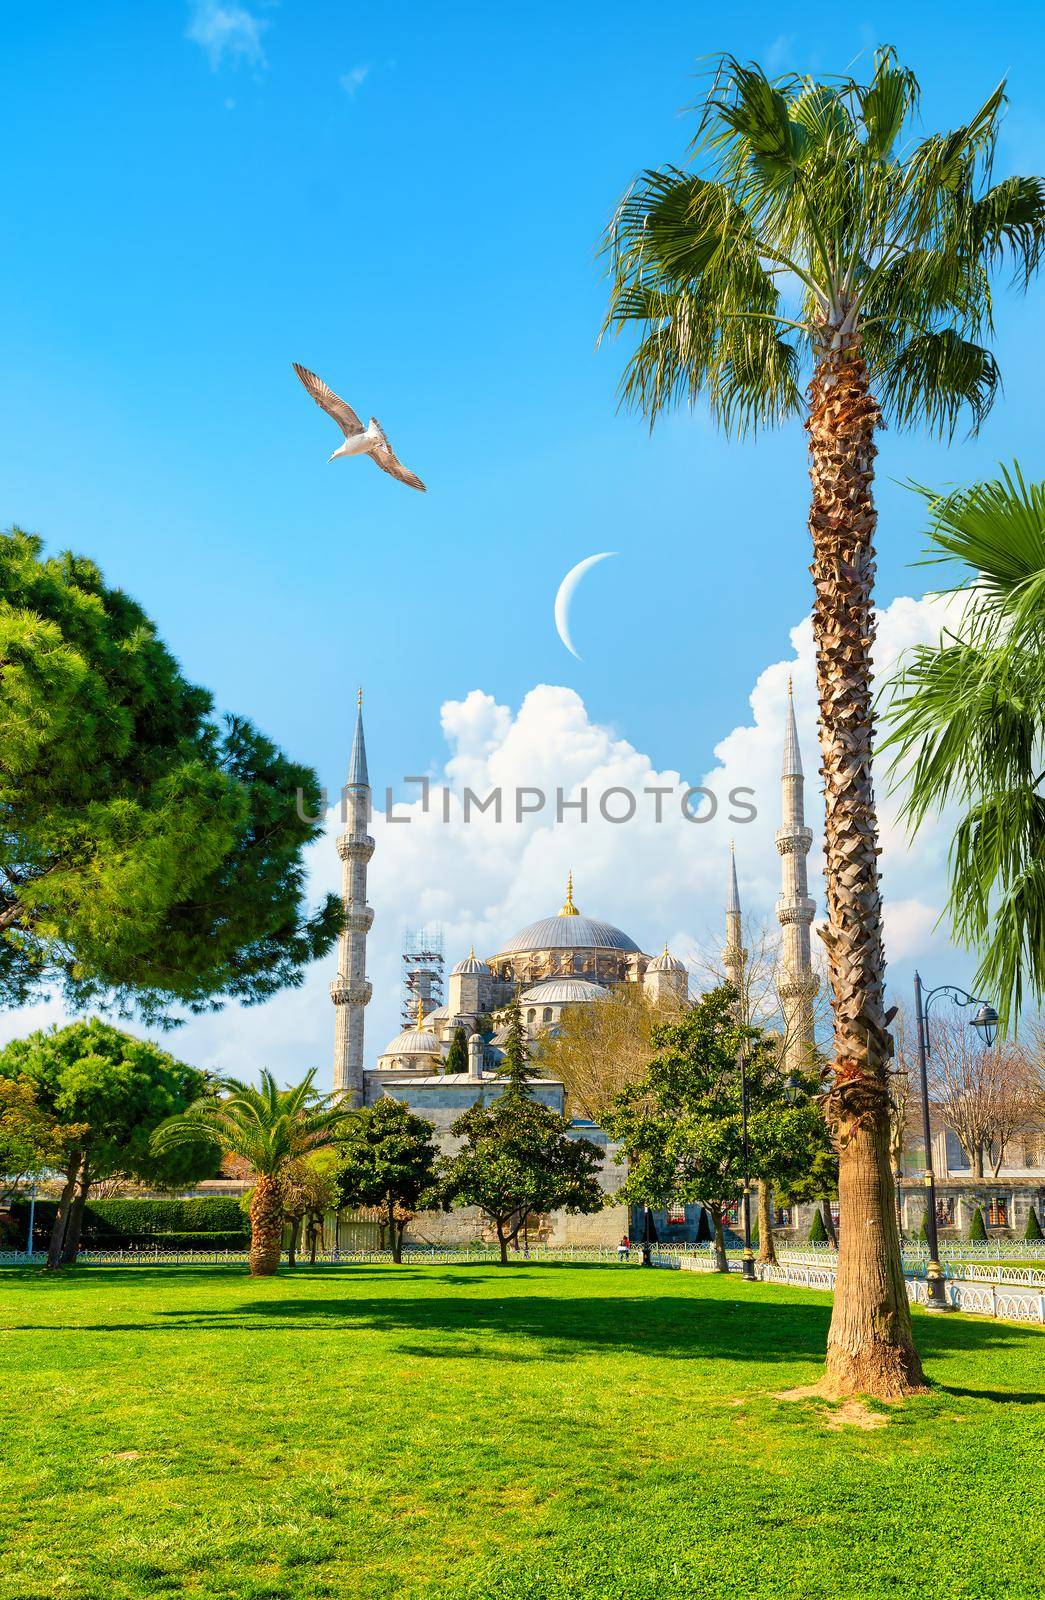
point(817, 1231)
point(1033, 1229)
point(923, 1231)
point(977, 1227)
point(133, 1220)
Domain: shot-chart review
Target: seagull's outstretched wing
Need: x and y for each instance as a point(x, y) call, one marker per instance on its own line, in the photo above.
point(331, 403)
point(385, 457)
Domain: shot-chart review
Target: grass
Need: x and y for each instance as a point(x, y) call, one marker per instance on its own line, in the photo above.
point(471, 1433)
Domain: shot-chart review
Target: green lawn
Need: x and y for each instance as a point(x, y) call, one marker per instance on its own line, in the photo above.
point(536, 1432)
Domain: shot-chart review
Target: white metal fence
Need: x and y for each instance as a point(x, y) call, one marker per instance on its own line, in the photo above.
point(1015, 1299)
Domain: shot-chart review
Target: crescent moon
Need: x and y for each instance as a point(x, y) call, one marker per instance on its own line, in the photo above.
point(565, 596)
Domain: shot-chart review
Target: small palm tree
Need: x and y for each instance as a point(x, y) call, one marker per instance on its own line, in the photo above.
point(268, 1127)
point(967, 723)
point(818, 242)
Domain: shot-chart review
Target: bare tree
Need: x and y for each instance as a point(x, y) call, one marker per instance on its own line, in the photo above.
point(602, 1048)
point(985, 1095)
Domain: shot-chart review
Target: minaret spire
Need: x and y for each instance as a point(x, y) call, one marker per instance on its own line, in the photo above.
point(796, 980)
point(350, 990)
point(734, 956)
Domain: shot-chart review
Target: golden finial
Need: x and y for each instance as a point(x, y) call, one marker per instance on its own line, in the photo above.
point(790, 687)
point(420, 1015)
point(568, 909)
point(471, 952)
point(359, 698)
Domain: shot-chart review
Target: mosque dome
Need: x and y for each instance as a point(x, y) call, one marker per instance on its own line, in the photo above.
point(666, 962)
point(471, 965)
point(417, 1040)
point(561, 991)
point(569, 931)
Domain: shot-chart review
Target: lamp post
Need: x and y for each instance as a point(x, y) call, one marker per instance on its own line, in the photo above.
point(985, 1022)
point(749, 1257)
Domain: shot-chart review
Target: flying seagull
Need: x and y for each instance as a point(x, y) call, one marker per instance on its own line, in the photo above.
point(359, 441)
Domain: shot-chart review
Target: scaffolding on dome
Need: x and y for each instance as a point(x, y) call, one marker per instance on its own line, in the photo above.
point(423, 970)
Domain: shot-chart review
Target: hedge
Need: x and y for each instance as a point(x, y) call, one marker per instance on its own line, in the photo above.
point(129, 1220)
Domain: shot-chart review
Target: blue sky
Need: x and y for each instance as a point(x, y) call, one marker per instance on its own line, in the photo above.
point(408, 198)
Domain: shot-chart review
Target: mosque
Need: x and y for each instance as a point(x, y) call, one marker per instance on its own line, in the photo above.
point(551, 965)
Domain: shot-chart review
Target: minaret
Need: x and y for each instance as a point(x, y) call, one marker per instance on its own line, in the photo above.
point(796, 981)
point(350, 990)
point(734, 956)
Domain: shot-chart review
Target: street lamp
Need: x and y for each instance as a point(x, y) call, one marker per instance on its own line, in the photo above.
point(749, 1258)
point(985, 1022)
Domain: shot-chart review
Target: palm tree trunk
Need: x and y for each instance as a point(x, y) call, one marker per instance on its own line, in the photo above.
point(766, 1243)
point(870, 1346)
point(266, 1227)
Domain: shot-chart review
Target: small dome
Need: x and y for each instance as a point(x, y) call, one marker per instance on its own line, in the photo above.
point(438, 1014)
point(413, 1042)
point(561, 991)
point(417, 1040)
point(472, 965)
point(666, 962)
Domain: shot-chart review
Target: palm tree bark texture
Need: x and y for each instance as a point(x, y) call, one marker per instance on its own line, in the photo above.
point(266, 1226)
point(870, 1346)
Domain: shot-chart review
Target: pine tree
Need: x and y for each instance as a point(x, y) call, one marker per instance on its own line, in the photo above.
point(1033, 1229)
point(977, 1227)
point(817, 1231)
point(516, 1067)
point(457, 1055)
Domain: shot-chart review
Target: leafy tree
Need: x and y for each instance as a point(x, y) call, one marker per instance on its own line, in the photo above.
point(891, 241)
point(386, 1158)
point(817, 1231)
point(149, 854)
point(516, 1067)
point(32, 1139)
point(517, 1159)
point(977, 1227)
point(1032, 1232)
point(681, 1126)
point(309, 1191)
point(113, 1089)
point(457, 1055)
point(269, 1128)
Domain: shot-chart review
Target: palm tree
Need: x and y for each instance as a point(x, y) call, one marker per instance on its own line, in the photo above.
point(817, 242)
point(968, 726)
point(268, 1127)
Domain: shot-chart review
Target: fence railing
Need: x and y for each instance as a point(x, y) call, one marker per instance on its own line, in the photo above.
point(1014, 1301)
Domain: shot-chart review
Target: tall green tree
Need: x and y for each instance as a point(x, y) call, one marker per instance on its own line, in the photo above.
point(457, 1055)
point(516, 1067)
point(149, 854)
point(967, 724)
point(814, 239)
point(680, 1127)
point(114, 1089)
point(310, 1190)
point(386, 1158)
point(517, 1159)
point(268, 1127)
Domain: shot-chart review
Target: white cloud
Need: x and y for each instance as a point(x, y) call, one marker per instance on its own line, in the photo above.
point(483, 880)
point(226, 31)
point(353, 80)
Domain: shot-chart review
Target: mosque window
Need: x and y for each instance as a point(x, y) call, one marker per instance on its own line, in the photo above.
point(547, 1013)
point(531, 1015)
